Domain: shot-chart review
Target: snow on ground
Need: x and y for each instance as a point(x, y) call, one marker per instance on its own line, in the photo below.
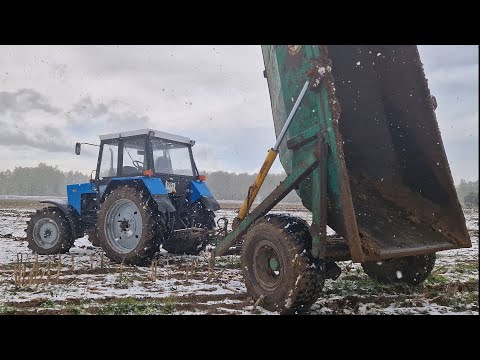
point(85, 282)
point(12, 223)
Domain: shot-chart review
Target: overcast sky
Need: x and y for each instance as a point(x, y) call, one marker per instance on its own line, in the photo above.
point(53, 96)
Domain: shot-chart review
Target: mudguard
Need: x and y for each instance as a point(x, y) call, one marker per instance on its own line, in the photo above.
point(199, 190)
point(164, 204)
point(154, 186)
point(210, 203)
point(71, 214)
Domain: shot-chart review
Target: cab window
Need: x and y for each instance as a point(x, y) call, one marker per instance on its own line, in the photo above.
point(108, 166)
point(134, 157)
point(171, 158)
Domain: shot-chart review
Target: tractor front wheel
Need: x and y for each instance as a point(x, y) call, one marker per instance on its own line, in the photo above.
point(278, 266)
point(412, 270)
point(49, 232)
point(129, 230)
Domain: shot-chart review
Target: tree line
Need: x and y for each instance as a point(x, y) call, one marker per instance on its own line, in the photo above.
point(40, 180)
point(46, 180)
point(232, 186)
point(467, 192)
point(51, 181)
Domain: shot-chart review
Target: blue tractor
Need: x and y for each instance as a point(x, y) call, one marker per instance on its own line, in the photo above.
point(146, 192)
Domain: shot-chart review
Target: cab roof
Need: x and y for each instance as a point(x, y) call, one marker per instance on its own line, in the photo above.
point(157, 134)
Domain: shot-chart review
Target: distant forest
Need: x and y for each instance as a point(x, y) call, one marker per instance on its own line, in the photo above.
point(232, 186)
point(40, 180)
point(467, 192)
point(51, 181)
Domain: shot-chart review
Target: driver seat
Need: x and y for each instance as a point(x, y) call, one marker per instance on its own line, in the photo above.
point(130, 170)
point(163, 165)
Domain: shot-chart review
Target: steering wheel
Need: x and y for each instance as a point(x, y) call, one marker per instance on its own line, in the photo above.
point(138, 164)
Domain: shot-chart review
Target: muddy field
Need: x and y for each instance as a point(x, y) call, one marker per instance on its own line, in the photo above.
point(85, 282)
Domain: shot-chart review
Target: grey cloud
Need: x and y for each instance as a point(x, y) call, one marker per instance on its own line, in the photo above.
point(86, 111)
point(16, 127)
point(23, 101)
point(52, 131)
point(175, 67)
point(129, 119)
point(452, 73)
point(206, 157)
point(441, 56)
point(59, 70)
point(47, 139)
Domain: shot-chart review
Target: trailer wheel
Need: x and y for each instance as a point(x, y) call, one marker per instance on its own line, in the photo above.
point(49, 232)
point(129, 226)
point(277, 264)
point(412, 270)
point(202, 218)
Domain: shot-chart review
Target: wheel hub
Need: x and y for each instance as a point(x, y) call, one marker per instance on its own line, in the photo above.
point(46, 233)
point(124, 226)
point(268, 269)
point(273, 264)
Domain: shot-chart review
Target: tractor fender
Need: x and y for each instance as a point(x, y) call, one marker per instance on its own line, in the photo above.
point(164, 204)
point(71, 214)
point(153, 185)
point(199, 191)
point(210, 203)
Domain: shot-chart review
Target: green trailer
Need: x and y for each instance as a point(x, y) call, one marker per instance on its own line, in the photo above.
point(363, 150)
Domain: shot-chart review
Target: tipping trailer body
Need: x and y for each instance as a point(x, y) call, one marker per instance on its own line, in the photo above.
point(389, 187)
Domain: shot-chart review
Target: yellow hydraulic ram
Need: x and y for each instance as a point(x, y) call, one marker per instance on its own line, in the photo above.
point(271, 156)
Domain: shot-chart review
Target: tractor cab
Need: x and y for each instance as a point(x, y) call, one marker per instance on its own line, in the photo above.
point(145, 153)
point(149, 153)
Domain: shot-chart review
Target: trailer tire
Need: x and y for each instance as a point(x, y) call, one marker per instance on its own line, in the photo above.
point(49, 232)
point(278, 266)
point(412, 270)
point(130, 213)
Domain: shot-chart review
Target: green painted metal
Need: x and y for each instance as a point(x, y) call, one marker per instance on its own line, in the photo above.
point(318, 230)
point(389, 187)
point(286, 73)
point(304, 137)
point(316, 213)
point(273, 263)
point(310, 114)
point(303, 170)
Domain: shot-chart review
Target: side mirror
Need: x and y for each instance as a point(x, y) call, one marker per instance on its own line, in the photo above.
point(78, 148)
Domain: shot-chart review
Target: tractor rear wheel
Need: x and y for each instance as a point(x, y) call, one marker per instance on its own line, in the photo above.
point(49, 232)
point(412, 270)
point(129, 226)
point(278, 266)
point(203, 219)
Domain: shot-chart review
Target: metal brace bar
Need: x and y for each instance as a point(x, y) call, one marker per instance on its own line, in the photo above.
point(282, 190)
point(318, 230)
